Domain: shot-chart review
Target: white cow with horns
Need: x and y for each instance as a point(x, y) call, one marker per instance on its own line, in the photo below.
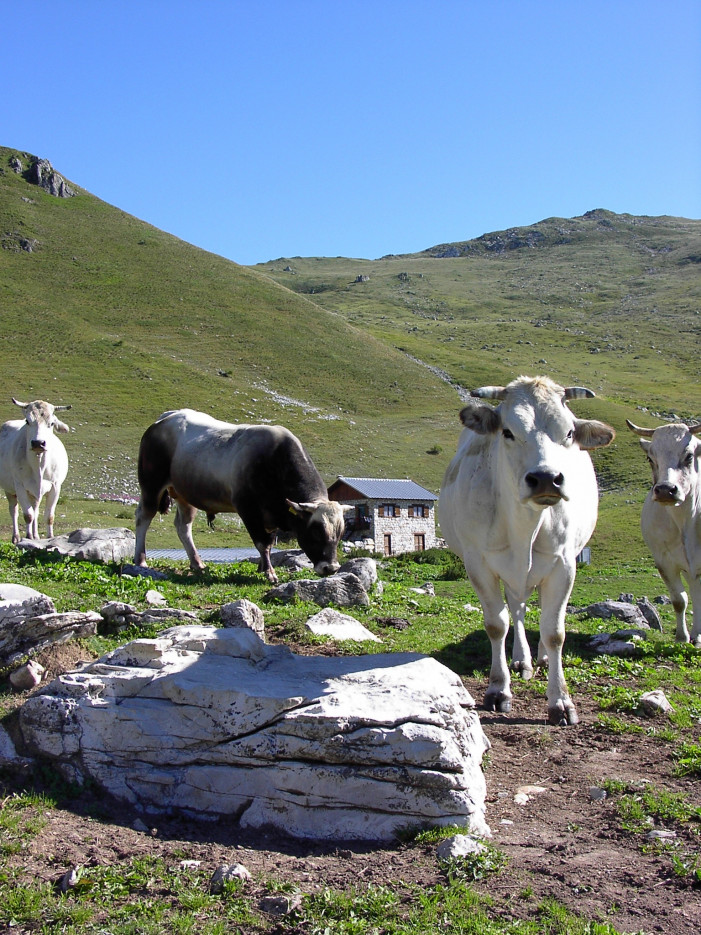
point(518, 502)
point(671, 516)
point(33, 464)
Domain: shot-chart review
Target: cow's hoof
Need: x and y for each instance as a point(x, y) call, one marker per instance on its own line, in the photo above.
point(524, 669)
point(497, 701)
point(563, 714)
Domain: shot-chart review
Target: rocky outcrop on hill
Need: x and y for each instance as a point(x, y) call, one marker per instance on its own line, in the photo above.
point(43, 174)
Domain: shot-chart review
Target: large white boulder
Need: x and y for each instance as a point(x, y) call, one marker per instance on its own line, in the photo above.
point(90, 545)
point(214, 722)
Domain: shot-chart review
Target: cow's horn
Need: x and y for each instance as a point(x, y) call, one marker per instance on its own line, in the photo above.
point(578, 392)
point(644, 433)
point(695, 429)
point(18, 403)
point(489, 392)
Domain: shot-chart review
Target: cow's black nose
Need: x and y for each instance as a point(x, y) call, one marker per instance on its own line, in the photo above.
point(544, 482)
point(38, 445)
point(666, 492)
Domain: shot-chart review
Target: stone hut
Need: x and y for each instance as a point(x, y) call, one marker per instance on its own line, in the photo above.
point(390, 516)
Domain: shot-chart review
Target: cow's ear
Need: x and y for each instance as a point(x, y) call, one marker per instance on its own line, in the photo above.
point(302, 507)
point(589, 433)
point(645, 445)
point(480, 418)
point(60, 426)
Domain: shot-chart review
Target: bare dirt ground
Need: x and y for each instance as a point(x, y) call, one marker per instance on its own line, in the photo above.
point(560, 844)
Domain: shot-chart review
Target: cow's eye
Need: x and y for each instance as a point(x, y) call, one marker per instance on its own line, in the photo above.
point(507, 433)
point(689, 459)
point(570, 436)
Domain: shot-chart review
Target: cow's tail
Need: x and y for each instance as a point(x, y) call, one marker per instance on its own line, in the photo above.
point(165, 502)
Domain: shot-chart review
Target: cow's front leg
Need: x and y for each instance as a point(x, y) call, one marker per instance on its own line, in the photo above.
point(50, 509)
point(262, 539)
point(554, 592)
point(14, 514)
point(184, 516)
point(143, 518)
point(498, 696)
point(521, 660)
point(29, 513)
point(680, 600)
point(695, 595)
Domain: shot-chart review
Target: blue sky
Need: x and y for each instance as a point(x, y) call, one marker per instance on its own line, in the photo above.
point(323, 128)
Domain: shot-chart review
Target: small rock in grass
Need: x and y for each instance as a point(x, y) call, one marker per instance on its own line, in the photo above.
point(225, 874)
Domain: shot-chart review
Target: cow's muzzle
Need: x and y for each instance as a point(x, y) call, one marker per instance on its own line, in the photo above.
point(666, 494)
point(326, 568)
point(38, 445)
point(545, 487)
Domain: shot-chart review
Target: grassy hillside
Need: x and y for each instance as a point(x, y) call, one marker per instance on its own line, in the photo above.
point(123, 321)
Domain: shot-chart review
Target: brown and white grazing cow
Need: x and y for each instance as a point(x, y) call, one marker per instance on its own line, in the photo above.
point(671, 516)
point(33, 464)
point(518, 502)
point(261, 472)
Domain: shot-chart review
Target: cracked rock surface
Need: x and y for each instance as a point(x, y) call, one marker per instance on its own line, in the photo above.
point(214, 722)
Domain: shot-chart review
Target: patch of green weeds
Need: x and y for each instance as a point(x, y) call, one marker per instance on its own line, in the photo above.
point(21, 819)
point(688, 757)
point(475, 866)
point(641, 806)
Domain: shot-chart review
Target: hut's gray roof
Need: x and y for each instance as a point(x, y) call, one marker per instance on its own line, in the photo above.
point(375, 488)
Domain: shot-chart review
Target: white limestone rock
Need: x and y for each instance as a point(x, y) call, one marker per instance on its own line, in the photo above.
point(243, 613)
point(330, 622)
point(92, 545)
point(213, 722)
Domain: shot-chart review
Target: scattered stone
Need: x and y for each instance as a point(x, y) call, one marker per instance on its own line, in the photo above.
point(460, 845)
point(663, 599)
point(426, 588)
point(189, 864)
point(69, 880)
point(608, 644)
point(659, 834)
point(398, 623)
point(29, 623)
point(531, 790)
point(243, 613)
point(655, 702)
point(155, 598)
point(118, 616)
point(343, 590)
point(596, 794)
point(650, 614)
point(139, 571)
point(620, 610)
point(88, 545)
point(7, 747)
point(365, 569)
point(333, 623)
point(27, 676)
point(225, 874)
point(280, 905)
point(521, 798)
point(212, 722)
point(471, 609)
point(291, 559)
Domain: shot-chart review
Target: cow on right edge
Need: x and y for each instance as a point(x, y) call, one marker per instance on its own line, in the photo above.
point(671, 516)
